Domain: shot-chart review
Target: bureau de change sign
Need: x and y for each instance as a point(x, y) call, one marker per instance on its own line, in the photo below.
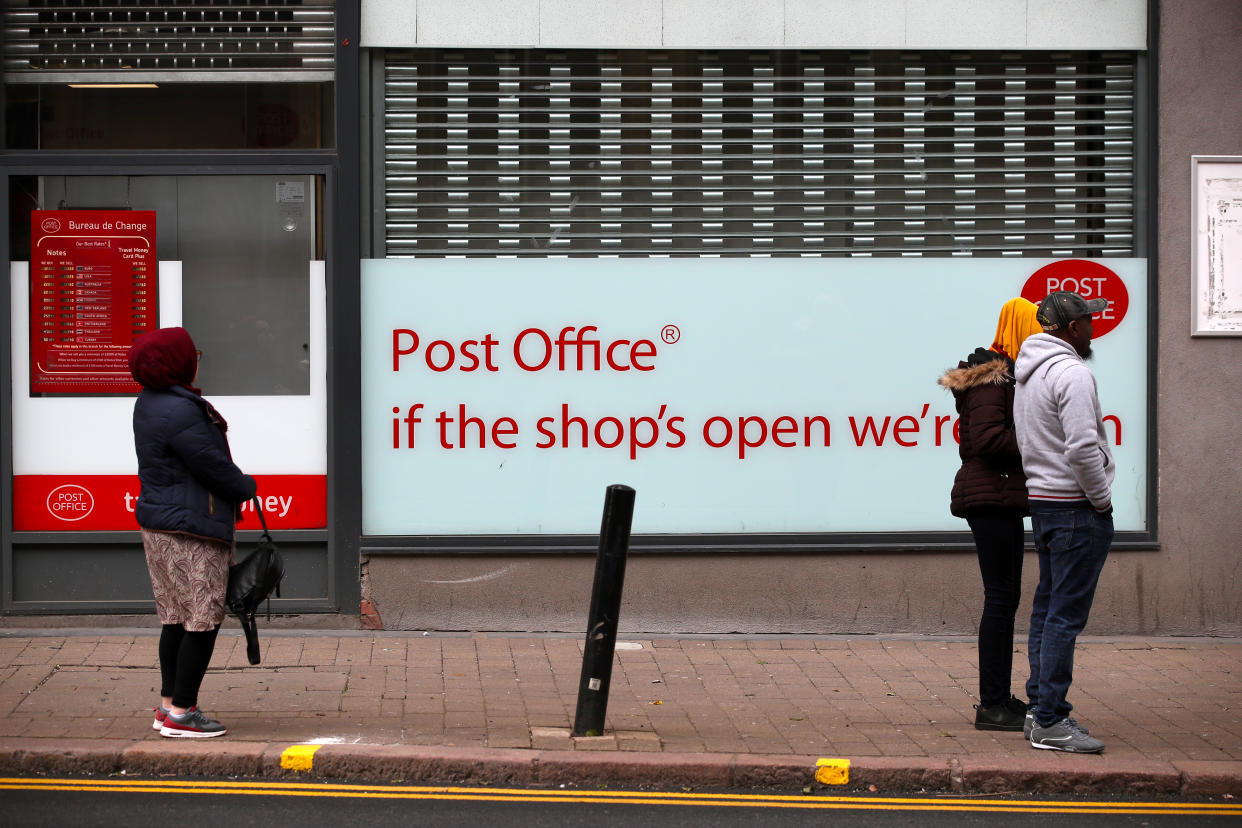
point(93, 277)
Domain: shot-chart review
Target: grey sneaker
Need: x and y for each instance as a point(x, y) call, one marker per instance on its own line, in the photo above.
point(193, 724)
point(1030, 723)
point(1065, 735)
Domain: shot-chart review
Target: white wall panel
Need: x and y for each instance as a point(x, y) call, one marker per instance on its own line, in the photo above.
point(847, 24)
point(389, 23)
point(762, 24)
point(1073, 24)
point(93, 434)
point(963, 24)
point(600, 23)
point(725, 24)
point(478, 22)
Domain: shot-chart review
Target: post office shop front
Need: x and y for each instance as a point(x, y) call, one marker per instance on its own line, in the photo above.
point(474, 262)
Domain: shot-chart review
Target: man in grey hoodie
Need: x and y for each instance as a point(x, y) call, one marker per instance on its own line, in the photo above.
point(1069, 474)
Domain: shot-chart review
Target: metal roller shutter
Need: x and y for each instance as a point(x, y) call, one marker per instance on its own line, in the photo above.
point(590, 153)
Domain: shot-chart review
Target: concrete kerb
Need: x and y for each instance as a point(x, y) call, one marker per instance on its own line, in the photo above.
point(1203, 778)
point(61, 757)
point(635, 770)
point(422, 764)
point(437, 765)
point(1046, 772)
point(174, 758)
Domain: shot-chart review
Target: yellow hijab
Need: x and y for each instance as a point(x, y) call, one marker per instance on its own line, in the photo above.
point(1017, 322)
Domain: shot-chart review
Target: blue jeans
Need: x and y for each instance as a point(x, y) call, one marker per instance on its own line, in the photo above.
point(1072, 541)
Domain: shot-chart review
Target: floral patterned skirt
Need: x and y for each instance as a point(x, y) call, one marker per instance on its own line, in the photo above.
point(188, 576)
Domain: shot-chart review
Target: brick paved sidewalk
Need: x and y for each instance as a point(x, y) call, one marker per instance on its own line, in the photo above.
point(1159, 700)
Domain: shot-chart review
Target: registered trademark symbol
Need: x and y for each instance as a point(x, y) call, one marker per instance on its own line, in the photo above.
point(670, 334)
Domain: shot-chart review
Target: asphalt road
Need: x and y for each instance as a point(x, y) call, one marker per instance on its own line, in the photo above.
point(128, 802)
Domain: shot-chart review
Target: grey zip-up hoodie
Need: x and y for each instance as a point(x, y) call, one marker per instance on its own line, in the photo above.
point(1056, 413)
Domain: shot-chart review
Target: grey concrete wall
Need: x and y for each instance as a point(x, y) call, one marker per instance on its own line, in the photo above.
point(841, 593)
point(703, 593)
point(1194, 585)
point(1191, 586)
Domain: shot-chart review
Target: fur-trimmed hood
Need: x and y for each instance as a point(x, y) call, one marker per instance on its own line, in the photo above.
point(991, 473)
point(965, 376)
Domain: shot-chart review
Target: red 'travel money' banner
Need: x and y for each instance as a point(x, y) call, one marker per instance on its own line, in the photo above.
point(105, 502)
point(93, 279)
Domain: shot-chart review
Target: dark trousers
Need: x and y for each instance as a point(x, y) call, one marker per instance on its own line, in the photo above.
point(1072, 541)
point(998, 543)
point(184, 657)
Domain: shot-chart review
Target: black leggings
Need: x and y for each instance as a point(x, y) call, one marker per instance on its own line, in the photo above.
point(184, 657)
point(998, 542)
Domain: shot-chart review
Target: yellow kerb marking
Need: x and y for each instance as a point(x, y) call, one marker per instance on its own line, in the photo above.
point(298, 757)
point(832, 771)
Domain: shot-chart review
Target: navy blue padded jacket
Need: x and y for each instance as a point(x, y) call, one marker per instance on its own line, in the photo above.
point(190, 484)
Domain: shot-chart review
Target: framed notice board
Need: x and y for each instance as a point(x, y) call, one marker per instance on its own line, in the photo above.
point(1216, 248)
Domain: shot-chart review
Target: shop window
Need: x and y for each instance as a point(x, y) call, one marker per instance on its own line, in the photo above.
point(169, 116)
point(244, 247)
point(133, 74)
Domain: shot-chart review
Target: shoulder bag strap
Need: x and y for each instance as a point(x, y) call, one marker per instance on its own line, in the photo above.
point(258, 507)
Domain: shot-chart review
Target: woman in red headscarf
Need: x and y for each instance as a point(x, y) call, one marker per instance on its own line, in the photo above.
point(990, 492)
point(187, 508)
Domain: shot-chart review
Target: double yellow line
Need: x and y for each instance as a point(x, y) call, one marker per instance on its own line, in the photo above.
point(311, 789)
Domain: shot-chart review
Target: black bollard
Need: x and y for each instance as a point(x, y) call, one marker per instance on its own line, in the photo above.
point(601, 637)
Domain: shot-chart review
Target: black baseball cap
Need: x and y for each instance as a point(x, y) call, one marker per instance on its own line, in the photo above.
point(1060, 308)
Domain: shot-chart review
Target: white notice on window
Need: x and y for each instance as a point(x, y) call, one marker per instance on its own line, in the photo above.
point(290, 192)
point(290, 203)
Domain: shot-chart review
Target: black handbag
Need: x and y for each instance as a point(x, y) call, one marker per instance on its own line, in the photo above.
point(251, 582)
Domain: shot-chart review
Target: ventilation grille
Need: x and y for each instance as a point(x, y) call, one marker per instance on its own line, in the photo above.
point(584, 153)
point(167, 39)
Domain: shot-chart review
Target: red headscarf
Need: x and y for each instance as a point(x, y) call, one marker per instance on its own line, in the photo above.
point(164, 358)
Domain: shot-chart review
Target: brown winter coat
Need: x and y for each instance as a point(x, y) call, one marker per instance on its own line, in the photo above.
point(991, 472)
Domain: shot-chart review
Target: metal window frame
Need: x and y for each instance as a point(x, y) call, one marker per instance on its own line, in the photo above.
point(338, 167)
point(316, 163)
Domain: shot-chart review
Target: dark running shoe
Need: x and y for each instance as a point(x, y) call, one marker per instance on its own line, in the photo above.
point(1008, 715)
point(160, 714)
point(193, 724)
point(1030, 724)
point(1065, 735)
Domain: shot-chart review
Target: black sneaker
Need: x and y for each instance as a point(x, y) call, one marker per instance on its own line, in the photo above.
point(192, 724)
point(1008, 715)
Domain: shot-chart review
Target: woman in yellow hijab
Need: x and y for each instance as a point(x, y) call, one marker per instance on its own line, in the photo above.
point(1017, 322)
point(989, 491)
